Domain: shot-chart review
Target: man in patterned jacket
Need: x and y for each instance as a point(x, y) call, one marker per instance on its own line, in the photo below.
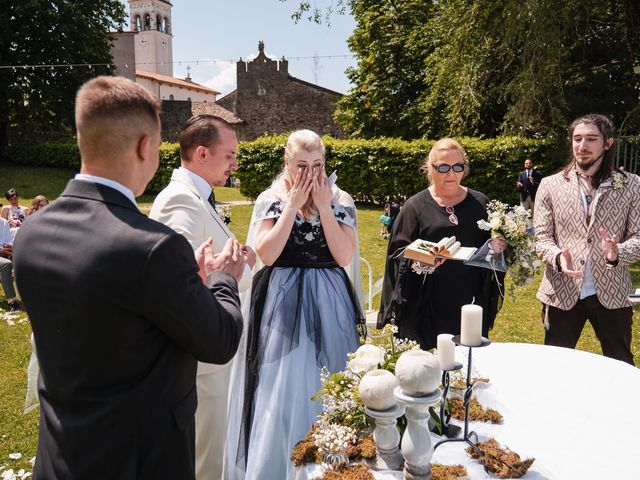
point(587, 222)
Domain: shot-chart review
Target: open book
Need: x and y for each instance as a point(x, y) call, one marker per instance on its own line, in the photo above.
point(429, 252)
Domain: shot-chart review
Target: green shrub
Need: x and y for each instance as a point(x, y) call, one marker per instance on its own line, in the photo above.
point(169, 160)
point(370, 170)
point(63, 155)
point(374, 170)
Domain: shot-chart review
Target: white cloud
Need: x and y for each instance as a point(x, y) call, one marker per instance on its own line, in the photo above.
point(223, 79)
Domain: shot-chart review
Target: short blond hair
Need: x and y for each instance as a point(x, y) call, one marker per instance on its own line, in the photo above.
point(306, 140)
point(112, 113)
point(443, 145)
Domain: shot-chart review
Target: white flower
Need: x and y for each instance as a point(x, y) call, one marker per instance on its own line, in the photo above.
point(484, 225)
point(8, 475)
point(15, 456)
point(495, 221)
point(361, 366)
point(370, 352)
point(618, 181)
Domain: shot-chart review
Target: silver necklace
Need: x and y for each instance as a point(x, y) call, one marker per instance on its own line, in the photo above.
point(452, 216)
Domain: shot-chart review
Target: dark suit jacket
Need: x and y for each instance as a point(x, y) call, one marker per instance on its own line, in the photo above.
point(119, 317)
point(529, 189)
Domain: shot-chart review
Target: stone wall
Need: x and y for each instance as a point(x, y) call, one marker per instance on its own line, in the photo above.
point(271, 101)
point(173, 116)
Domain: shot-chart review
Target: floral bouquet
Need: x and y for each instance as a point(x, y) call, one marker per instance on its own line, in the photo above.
point(225, 213)
point(341, 402)
point(514, 224)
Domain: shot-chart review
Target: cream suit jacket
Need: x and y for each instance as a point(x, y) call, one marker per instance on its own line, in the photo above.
point(560, 222)
point(180, 207)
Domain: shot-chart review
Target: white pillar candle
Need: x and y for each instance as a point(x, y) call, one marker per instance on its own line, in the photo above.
point(446, 351)
point(471, 325)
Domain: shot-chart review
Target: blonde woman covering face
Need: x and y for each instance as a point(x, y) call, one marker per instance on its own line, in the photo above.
point(304, 313)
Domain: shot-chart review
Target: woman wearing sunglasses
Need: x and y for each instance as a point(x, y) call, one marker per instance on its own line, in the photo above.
point(425, 305)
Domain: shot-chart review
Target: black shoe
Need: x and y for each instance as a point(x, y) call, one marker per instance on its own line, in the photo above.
point(15, 306)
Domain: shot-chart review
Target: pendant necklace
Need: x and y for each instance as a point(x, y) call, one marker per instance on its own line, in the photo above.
point(452, 216)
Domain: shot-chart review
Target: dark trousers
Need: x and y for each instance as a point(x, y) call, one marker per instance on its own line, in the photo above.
point(612, 327)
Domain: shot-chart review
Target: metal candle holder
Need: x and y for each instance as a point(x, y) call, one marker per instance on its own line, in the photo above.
point(448, 430)
point(467, 436)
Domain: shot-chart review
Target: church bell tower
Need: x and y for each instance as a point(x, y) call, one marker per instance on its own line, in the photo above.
point(154, 42)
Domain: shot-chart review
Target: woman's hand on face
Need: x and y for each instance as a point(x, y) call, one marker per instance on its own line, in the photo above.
point(299, 191)
point(498, 244)
point(321, 192)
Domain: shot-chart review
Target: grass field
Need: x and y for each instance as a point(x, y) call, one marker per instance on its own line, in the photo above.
point(518, 321)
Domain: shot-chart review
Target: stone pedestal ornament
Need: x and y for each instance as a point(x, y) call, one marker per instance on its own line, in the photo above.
point(376, 389)
point(387, 437)
point(416, 445)
point(418, 372)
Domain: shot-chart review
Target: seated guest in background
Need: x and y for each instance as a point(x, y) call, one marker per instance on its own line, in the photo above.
point(13, 213)
point(424, 306)
point(38, 203)
point(118, 305)
point(304, 313)
point(6, 265)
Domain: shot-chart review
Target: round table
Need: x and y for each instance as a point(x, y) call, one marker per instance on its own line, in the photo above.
point(576, 412)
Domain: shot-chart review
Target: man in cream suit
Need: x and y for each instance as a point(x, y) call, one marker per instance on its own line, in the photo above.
point(208, 156)
point(587, 222)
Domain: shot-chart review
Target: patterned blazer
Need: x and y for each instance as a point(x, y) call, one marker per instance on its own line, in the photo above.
point(560, 222)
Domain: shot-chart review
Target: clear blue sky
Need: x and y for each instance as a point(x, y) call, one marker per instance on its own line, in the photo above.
point(215, 30)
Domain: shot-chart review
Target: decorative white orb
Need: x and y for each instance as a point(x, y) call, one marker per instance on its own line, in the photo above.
point(376, 389)
point(418, 373)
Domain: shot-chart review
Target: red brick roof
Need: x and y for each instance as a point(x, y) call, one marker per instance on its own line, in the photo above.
point(175, 81)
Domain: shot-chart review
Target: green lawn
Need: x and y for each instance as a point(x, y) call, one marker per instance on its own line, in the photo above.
point(518, 321)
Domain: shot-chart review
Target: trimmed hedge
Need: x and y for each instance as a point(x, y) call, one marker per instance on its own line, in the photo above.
point(374, 170)
point(370, 170)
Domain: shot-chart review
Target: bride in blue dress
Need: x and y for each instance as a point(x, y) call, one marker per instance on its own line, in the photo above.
point(304, 311)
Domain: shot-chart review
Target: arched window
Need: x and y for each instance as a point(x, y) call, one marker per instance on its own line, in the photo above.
point(171, 97)
point(147, 22)
point(167, 27)
point(159, 23)
point(137, 23)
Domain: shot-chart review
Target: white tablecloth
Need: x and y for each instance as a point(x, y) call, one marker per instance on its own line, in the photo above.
point(577, 413)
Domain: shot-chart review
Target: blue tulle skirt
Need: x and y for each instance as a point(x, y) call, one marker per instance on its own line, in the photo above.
point(309, 321)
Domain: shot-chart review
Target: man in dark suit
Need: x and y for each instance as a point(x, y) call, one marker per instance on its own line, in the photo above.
point(118, 307)
point(527, 184)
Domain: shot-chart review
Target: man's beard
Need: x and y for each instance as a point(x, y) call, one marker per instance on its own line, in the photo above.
point(587, 164)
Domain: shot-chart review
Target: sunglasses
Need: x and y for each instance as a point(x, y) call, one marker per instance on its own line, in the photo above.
point(444, 168)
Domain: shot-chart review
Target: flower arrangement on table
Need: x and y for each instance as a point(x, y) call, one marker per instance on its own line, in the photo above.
point(514, 224)
point(343, 424)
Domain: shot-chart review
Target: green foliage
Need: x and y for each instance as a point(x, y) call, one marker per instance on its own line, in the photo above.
point(374, 170)
point(59, 154)
point(38, 101)
point(370, 170)
point(169, 160)
point(488, 67)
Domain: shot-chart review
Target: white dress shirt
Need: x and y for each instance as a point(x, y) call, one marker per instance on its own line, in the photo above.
point(108, 183)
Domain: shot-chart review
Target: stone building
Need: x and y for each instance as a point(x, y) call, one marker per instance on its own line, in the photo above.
point(270, 101)
point(145, 54)
point(165, 87)
point(154, 42)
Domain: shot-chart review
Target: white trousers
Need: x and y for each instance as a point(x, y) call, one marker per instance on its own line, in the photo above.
point(211, 422)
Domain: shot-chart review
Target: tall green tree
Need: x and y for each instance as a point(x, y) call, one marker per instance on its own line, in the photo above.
point(48, 49)
point(485, 67)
